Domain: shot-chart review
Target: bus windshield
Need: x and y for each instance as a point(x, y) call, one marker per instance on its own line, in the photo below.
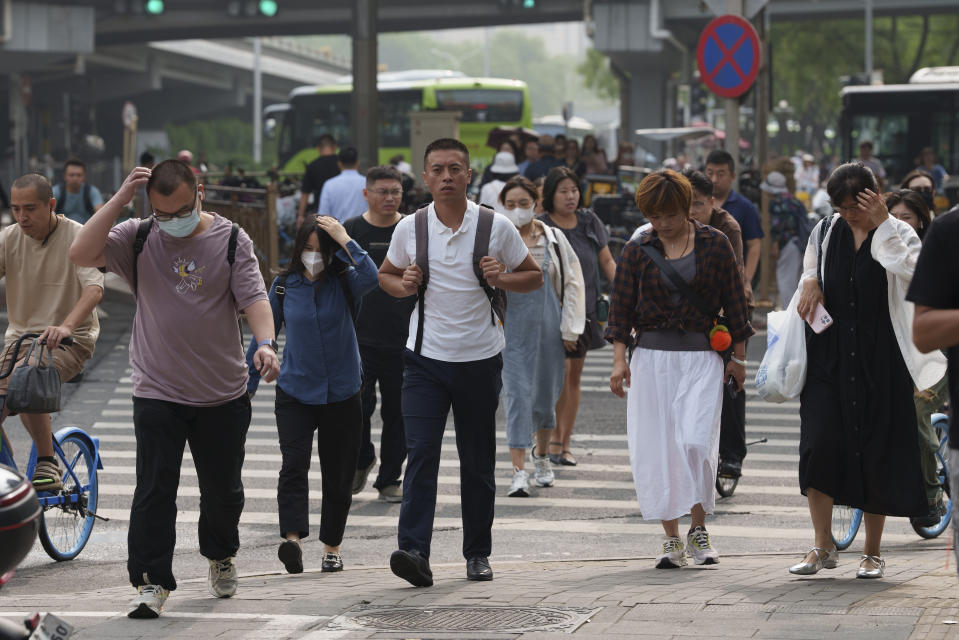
point(482, 105)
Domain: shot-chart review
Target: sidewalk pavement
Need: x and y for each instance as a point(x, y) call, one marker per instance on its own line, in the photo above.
point(743, 597)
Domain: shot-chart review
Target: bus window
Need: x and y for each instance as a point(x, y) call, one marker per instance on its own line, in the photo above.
point(395, 107)
point(482, 105)
point(889, 136)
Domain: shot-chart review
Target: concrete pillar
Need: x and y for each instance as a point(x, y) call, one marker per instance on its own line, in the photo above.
point(365, 102)
point(647, 106)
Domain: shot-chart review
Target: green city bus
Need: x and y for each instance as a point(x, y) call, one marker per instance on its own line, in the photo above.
point(485, 103)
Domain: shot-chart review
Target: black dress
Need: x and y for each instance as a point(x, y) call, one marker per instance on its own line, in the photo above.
point(858, 436)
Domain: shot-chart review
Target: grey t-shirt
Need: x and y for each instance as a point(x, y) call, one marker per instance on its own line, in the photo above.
point(185, 346)
point(671, 339)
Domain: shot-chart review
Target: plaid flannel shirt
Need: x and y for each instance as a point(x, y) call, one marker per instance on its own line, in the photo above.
point(641, 301)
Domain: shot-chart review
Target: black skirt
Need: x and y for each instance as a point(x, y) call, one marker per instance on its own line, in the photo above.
point(858, 435)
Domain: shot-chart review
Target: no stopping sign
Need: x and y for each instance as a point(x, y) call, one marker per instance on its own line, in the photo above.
point(728, 56)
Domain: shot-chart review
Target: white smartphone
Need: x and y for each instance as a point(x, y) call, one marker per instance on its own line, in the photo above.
point(819, 319)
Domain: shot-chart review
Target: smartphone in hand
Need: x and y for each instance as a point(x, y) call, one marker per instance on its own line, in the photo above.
point(732, 388)
point(819, 319)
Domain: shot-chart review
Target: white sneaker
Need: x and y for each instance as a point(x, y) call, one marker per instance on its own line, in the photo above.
point(520, 486)
point(673, 556)
point(149, 602)
point(543, 474)
point(222, 579)
point(699, 548)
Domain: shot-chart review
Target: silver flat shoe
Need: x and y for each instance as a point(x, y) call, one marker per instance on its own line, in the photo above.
point(824, 560)
point(871, 567)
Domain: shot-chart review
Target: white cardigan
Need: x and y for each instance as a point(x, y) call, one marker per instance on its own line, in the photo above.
point(895, 246)
point(573, 299)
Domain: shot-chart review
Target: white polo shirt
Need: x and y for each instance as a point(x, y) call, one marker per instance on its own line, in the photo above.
point(457, 325)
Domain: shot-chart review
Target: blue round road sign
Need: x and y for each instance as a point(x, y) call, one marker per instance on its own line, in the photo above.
point(728, 56)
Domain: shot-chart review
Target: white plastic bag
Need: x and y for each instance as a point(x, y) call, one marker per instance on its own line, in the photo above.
point(782, 373)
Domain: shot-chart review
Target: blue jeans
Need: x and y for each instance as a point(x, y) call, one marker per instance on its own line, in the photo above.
point(430, 389)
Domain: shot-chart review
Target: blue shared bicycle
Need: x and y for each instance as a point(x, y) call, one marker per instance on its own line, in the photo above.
point(70, 513)
point(846, 520)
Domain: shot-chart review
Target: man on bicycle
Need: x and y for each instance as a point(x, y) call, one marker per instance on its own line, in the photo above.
point(49, 295)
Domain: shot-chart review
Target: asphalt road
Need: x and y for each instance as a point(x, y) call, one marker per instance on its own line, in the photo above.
point(591, 512)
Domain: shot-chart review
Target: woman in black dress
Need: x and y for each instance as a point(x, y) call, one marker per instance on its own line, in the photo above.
point(858, 443)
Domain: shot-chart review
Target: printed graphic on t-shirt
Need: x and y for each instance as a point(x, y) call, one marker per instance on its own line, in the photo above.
point(190, 275)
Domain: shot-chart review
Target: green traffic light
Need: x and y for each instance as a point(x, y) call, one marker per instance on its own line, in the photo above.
point(529, 4)
point(268, 8)
point(154, 7)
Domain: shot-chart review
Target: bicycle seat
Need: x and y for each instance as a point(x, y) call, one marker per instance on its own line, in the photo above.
point(76, 378)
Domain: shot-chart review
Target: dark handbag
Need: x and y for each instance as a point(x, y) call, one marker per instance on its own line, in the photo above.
point(34, 388)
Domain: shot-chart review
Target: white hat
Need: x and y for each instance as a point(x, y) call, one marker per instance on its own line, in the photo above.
point(504, 162)
point(775, 183)
point(808, 157)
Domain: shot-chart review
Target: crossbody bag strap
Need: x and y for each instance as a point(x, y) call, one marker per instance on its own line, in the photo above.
point(421, 228)
point(280, 290)
point(822, 238)
point(684, 287)
point(484, 228)
point(559, 258)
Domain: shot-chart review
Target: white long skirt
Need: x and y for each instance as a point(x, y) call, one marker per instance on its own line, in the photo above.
point(673, 411)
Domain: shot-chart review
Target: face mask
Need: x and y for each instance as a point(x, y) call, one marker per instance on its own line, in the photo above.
point(519, 217)
point(313, 261)
point(180, 227)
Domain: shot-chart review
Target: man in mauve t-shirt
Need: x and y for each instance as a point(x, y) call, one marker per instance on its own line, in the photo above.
point(189, 369)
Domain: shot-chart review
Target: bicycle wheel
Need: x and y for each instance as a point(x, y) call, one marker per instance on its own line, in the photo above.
point(845, 525)
point(942, 470)
point(68, 520)
point(725, 486)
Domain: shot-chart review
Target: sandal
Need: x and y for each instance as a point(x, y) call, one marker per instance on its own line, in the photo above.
point(556, 458)
point(566, 458)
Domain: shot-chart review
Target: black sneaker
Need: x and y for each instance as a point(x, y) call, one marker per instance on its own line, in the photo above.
point(291, 555)
point(331, 562)
point(413, 567)
point(730, 468)
point(931, 519)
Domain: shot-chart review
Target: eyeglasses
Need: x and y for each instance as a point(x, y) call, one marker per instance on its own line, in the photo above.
point(396, 193)
point(182, 213)
point(921, 189)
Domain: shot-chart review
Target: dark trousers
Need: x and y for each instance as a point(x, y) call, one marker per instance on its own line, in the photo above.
point(217, 436)
point(430, 388)
point(383, 365)
point(338, 443)
point(732, 428)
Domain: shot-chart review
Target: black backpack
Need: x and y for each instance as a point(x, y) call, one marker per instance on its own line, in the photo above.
point(484, 227)
point(143, 232)
point(344, 285)
point(61, 201)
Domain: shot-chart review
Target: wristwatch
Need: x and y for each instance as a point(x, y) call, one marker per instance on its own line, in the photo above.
point(270, 343)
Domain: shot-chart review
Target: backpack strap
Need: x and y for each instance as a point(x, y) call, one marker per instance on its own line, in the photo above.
point(827, 221)
point(62, 190)
point(143, 232)
point(231, 246)
point(421, 229)
point(484, 228)
point(280, 290)
point(87, 201)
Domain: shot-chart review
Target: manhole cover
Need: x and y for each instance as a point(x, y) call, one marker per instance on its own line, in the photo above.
point(456, 618)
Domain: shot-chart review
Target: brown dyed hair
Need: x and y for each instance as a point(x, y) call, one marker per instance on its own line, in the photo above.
point(917, 173)
point(664, 191)
point(522, 183)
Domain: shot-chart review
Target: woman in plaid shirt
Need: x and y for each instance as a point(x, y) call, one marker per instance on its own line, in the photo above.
point(673, 412)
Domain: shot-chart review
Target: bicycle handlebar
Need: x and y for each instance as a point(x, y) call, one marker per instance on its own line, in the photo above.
point(66, 342)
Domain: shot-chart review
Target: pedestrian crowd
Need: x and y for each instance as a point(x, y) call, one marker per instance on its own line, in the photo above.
point(456, 303)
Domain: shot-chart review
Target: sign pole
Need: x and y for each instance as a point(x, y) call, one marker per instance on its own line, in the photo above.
point(732, 111)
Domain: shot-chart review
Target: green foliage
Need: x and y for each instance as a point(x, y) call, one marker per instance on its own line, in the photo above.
point(598, 76)
point(223, 141)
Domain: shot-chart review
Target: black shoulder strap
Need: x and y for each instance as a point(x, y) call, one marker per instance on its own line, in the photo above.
point(231, 247)
point(484, 228)
point(421, 228)
point(62, 190)
point(87, 202)
point(280, 290)
point(684, 287)
point(143, 232)
point(827, 221)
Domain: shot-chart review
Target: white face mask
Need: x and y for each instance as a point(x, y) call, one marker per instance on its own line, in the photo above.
point(313, 261)
point(519, 217)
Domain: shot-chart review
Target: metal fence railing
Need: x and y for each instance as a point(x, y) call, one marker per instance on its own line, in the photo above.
point(255, 211)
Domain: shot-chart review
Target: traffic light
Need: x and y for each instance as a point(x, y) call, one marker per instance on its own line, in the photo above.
point(252, 8)
point(268, 8)
point(517, 5)
point(154, 7)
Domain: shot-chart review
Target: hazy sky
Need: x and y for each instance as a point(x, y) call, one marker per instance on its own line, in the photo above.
point(560, 37)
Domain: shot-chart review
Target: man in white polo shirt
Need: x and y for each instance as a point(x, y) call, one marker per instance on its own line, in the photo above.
point(454, 360)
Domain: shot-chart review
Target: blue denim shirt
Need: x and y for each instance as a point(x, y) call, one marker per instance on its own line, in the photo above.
point(321, 359)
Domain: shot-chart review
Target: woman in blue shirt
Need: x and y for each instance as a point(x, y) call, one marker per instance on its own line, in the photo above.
point(319, 384)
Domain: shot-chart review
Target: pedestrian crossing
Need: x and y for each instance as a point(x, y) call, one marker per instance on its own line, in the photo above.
point(596, 497)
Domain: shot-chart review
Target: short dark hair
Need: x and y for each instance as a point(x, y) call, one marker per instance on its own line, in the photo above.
point(383, 172)
point(918, 172)
point(35, 181)
point(446, 144)
point(848, 180)
point(327, 248)
point(700, 183)
point(146, 158)
point(348, 156)
point(916, 204)
point(553, 178)
point(721, 156)
point(170, 174)
point(326, 140)
point(522, 183)
point(664, 191)
point(76, 162)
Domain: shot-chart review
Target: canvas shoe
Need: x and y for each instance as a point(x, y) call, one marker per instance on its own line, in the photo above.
point(699, 548)
point(222, 579)
point(673, 555)
point(520, 485)
point(46, 476)
point(543, 473)
point(149, 602)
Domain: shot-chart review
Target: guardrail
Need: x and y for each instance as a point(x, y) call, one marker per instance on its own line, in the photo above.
point(255, 211)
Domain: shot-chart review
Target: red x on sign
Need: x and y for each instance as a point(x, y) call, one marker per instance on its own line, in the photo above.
point(728, 56)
